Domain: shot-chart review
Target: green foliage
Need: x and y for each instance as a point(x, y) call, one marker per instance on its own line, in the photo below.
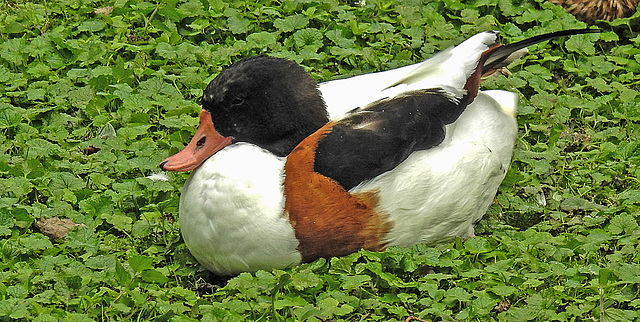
point(92, 100)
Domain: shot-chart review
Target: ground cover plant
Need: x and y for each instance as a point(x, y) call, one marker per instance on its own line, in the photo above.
point(94, 94)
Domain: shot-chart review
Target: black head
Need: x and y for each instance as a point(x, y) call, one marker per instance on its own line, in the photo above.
point(270, 102)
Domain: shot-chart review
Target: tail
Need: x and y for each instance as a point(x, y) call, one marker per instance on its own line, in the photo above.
point(500, 55)
point(459, 69)
point(504, 55)
point(448, 69)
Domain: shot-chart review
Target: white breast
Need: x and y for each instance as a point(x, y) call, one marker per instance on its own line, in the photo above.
point(231, 212)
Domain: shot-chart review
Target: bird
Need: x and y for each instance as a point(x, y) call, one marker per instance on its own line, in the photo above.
point(591, 10)
point(286, 171)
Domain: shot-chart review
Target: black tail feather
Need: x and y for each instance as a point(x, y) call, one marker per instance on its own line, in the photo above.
point(499, 56)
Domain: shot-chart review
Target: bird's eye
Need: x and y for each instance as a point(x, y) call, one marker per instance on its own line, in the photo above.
point(237, 101)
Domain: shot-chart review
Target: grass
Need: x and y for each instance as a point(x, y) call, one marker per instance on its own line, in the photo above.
point(92, 100)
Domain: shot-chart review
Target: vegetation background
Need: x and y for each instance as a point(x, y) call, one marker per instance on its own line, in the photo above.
point(95, 93)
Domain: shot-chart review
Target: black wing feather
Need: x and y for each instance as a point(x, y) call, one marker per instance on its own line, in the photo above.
point(377, 138)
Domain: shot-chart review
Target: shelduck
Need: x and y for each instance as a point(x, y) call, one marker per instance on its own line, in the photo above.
point(293, 171)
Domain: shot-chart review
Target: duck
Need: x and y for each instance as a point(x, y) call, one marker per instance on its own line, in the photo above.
point(591, 10)
point(286, 171)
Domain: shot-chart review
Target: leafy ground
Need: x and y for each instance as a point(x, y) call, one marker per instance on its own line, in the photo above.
point(92, 100)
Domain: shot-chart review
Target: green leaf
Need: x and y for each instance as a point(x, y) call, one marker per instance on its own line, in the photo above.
point(17, 291)
point(615, 314)
point(13, 27)
point(477, 245)
point(350, 282)
point(309, 38)
point(238, 25)
point(458, 294)
point(39, 148)
point(581, 44)
point(91, 26)
point(14, 308)
point(22, 218)
point(80, 97)
point(503, 290)
point(166, 50)
point(153, 276)
point(579, 204)
point(305, 279)
point(97, 205)
point(101, 262)
point(261, 39)
point(6, 222)
point(156, 86)
point(92, 51)
point(289, 302)
point(630, 196)
point(132, 132)
point(39, 70)
point(291, 23)
point(483, 303)
point(122, 276)
point(622, 223)
point(82, 238)
point(120, 222)
point(12, 50)
point(140, 263)
point(330, 307)
point(306, 312)
point(36, 242)
point(337, 37)
point(192, 8)
point(283, 281)
point(61, 181)
point(391, 279)
point(137, 102)
point(121, 308)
